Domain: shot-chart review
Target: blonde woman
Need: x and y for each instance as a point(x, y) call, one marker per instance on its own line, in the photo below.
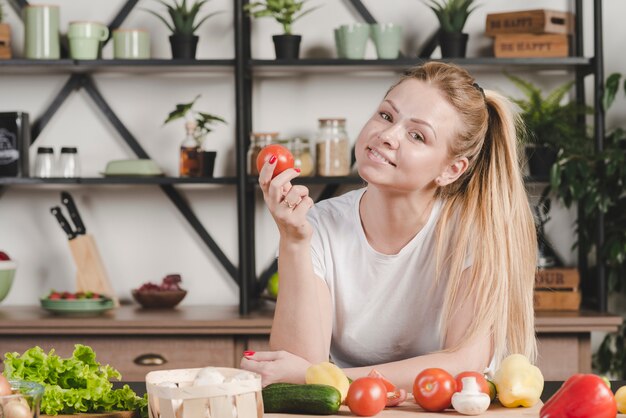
point(431, 265)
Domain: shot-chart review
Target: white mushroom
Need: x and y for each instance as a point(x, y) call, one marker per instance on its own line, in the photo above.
point(470, 400)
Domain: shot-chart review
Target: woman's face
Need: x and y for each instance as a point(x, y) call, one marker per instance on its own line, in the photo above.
point(404, 145)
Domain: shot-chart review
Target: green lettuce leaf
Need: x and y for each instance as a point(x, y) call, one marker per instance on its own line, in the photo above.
point(73, 385)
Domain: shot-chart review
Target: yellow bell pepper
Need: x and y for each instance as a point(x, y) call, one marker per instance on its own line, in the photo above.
point(327, 373)
point(519, 383)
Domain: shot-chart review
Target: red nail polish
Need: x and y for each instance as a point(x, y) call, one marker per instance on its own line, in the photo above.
point(248, 353)
point(297, 170)
point(272, 159)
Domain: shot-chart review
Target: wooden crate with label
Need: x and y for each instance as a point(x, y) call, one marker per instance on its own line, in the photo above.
point(557, 289)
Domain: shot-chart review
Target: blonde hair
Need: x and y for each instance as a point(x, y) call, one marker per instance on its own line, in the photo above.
point(486, 217)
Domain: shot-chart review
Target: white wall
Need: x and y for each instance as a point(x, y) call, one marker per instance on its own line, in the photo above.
point(140, 234)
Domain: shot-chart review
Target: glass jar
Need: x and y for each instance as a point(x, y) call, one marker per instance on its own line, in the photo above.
point(302, 157)
point(332, 148)
point(69, 166)
point(258, 140)
point(190, 152)
point(44, 162)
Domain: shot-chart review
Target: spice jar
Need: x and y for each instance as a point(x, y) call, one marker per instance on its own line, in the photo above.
point(332, 148)
point(302, 158)
point(44, 162)
point(258, 140)
point(69, 166)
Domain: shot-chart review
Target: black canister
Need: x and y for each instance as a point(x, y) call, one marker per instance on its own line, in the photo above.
point(14, 143)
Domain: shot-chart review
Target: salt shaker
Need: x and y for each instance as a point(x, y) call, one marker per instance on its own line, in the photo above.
point(69, 166)
point(44, 162)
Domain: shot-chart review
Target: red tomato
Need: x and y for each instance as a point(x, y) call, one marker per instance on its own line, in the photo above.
point(433, 389)
point(395, 396)
point(367, 396)
point(285, 158)
point(480, 379)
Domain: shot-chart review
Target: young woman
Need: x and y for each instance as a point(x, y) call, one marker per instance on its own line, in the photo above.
point(431, 265)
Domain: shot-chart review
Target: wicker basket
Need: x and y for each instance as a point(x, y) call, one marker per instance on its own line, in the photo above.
point(233, 398)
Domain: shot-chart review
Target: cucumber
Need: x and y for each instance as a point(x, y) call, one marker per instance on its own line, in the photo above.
point(310, 399)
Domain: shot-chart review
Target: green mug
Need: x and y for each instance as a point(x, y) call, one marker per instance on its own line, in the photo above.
point(353, 39)
point(7, 273)
point(85, 38)
point(387, 38)
point(41, 32)
point(131, 44)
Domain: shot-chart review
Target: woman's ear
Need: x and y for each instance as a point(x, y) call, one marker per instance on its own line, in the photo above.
point(452, 172)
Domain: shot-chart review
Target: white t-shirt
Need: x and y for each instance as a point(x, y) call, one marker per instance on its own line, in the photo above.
point(385, 306)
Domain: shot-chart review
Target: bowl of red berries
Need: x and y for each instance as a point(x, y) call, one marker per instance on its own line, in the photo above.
point(166, 295)
point(7, 273)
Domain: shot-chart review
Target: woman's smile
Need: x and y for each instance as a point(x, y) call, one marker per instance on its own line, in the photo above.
point(378, 157)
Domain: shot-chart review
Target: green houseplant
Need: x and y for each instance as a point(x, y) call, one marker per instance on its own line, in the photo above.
point(452, 16)
point(548, 124)
point(285, 12)
point(195, 160)
point(183, 22)
point(5, 36)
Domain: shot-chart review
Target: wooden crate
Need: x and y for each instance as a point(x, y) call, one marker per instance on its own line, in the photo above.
point(530, 21)
point(5, 41)
point(557, 300)
point(531, 45)
point(557, 278)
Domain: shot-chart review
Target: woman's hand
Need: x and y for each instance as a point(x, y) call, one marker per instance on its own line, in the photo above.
point(287, 203)
point(276, 366)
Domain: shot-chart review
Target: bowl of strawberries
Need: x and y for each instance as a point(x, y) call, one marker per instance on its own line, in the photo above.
point(166, 295)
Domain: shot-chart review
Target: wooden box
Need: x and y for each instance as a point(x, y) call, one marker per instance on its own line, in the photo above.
point(531, 46)
point(5, 41)
point(530, 21)
point(557, 290)
point(557, 278)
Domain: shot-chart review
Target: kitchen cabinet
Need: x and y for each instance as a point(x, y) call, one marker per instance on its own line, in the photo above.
point(136, 341)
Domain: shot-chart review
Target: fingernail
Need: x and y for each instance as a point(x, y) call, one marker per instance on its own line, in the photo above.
point(248, 353)
point(272, 159)
point(297, 170)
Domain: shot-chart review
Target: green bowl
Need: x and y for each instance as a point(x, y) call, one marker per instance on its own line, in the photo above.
point(7, 273)
point(77, 307)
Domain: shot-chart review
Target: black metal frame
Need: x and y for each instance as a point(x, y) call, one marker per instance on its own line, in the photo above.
point(244, 68)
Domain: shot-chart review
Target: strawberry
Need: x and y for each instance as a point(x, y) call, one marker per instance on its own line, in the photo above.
point(4, 256)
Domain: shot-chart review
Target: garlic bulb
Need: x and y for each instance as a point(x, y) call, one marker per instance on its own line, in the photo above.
point(470, 401)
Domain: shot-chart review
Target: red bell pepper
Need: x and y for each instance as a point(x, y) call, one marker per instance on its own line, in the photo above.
point(581, 396)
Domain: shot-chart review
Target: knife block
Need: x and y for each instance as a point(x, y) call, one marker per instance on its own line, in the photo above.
point(90, 272)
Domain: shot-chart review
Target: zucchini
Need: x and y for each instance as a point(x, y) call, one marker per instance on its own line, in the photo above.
point(312, 399)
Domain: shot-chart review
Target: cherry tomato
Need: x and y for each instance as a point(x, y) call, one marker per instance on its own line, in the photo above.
point(395, 396)
point(480, 379)
point(433, 389)
point(367, 396)
point(285, 158)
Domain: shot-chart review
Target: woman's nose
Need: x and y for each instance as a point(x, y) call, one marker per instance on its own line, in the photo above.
point(391, 135)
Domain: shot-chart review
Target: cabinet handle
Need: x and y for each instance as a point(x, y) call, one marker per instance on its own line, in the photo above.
point(150, 360)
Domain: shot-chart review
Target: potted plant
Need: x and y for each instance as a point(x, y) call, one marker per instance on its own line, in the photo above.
point(184, 21)
point(5, 36)
point(195, 160)
point(549, 125)
point(452, 15)
point(286, 12)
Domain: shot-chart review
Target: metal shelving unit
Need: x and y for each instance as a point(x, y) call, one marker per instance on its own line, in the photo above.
point(244, 68)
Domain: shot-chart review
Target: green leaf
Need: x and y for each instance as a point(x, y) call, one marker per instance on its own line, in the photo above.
point(612, 84)
point(181, 110)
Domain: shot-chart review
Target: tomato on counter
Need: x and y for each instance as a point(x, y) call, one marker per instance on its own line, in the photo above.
point(582, 395)
point(367, 396)
point(283, 155)
point(433, 389)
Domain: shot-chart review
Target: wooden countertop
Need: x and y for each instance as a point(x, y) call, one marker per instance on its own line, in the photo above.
point(223, 320)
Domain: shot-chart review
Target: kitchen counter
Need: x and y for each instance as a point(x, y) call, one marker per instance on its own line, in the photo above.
point(136, 341)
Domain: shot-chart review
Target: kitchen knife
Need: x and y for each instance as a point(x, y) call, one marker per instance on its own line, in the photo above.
point(68, 201)
point(56, 211)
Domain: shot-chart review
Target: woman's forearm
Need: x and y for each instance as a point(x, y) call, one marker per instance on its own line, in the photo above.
point(302, 320)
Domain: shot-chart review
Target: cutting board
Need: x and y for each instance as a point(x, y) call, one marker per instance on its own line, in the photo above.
point(495, 410)
point(90, 272)
point(120, 414)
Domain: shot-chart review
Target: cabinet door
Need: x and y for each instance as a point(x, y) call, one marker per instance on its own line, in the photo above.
point(135, 356)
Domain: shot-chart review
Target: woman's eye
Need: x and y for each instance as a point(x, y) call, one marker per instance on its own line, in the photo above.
point(385, 116)
point(417, 136)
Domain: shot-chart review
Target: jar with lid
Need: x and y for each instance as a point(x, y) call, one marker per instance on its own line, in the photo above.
point(301, 150)
point(258, 140)
point(69, 166)
point(332, 148)
point(190, 152)
point(44, 162)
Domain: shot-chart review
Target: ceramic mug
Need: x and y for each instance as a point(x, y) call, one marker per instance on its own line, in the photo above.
point(353, 38)
point(341, 51)
point(131, 44)
point(41, 32)
point(387, 38)
point(85, 38)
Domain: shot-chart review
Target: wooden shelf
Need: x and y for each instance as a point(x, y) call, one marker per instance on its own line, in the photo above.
point(29, 181)
point(69, 66)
